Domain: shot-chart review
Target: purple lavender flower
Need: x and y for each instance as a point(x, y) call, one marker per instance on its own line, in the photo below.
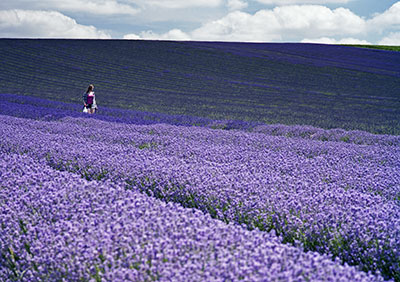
point(336, 198)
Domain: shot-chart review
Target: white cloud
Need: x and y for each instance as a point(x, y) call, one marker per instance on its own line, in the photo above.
point(97, 7)
point(294, 23)
point(236, 5)
point(292, 2)
point(389, 18)
point(282, 23)
point(327, 40)
point(131, 36)
point(392, 39)
point(174, 34)
point(240, 26)
point(44, 24)
point(287, 23)
point(178, 4)
point(108, 7)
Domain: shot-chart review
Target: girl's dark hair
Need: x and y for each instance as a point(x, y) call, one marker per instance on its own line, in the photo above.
point(90, 88)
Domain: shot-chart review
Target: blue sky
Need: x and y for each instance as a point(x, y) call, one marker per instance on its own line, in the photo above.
point(323, 21)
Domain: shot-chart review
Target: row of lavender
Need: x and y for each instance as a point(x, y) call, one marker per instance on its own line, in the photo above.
point(56, 226)
point(42, 109)
point(335, 198)
point(321, 85)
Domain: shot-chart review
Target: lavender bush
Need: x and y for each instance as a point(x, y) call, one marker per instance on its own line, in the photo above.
point(42, 109)
point(336, 198)
point(56, 226)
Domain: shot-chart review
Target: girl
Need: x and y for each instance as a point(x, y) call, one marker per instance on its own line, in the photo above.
point(89, 99)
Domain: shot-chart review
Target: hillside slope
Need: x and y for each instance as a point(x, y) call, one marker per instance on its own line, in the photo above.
point(320, 85)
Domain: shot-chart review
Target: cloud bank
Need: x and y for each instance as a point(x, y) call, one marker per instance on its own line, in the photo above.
point(293, 23)
point(392, 39)
point(178, 4)
point(288, 21)
point(109, 7)
point(327, 40)
point(44, 24)
point(281, 23)
point(292, 2)
point(236, 4)
point(94, 7)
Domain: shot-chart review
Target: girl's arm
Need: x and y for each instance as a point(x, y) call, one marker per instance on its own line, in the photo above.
point(85, 98)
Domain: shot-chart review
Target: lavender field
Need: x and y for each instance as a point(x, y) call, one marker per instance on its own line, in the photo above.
point(153, 194)
point(324, 86)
